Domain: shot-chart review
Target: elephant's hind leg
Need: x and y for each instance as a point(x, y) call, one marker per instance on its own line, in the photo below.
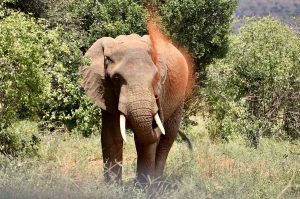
point(166, 141)
point(112, 147)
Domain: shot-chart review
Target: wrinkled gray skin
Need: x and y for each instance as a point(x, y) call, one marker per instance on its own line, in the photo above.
point(120, 81)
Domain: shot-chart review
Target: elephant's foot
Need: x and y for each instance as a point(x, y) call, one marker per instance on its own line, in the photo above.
point(113, 173)
point(155, 188)
point(150, 187)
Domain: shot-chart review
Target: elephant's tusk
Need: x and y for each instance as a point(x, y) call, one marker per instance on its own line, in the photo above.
point(159, 124)
point(123, 127)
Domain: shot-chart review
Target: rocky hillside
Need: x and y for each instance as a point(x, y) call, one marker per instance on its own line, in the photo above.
point(280, 8)
point(286, 10)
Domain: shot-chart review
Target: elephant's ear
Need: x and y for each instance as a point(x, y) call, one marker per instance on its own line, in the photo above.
point(93, 78)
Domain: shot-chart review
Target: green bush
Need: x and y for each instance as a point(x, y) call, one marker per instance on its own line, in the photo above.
point(38, 69)
point(22, 139)
point(89, 20)
point(201, 25)
point(66, 104)
point(255, 89)
point(25, 54)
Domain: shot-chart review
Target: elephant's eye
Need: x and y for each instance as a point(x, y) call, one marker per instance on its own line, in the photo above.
point(107, 60)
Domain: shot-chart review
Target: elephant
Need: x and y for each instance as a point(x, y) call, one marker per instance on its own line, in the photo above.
point(140, 83)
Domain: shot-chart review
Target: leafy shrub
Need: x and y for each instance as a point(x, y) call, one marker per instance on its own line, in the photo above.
point(89, 20)
point(255, 89)
point(201, 25)
point(65, 103)
point(24, 58)
point(39, 75)
point(68, 106)
point(22, 139)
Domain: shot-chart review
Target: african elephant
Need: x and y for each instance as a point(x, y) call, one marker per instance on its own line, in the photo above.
point(139, 83)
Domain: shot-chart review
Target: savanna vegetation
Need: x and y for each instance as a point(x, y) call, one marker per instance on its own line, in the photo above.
point(243, 117)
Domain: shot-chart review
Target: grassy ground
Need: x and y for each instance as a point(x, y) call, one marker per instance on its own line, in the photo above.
point(71, 167)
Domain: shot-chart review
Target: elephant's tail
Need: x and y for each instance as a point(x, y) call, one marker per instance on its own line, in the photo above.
point(186, 140)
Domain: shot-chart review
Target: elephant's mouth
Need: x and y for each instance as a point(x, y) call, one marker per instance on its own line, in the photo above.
point(156, 123)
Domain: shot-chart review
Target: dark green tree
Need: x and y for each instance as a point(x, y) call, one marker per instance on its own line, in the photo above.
point(37, 8)
point(203, 26)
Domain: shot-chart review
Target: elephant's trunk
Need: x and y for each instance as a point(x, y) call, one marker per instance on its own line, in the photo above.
point(123, 125)
point(141, 120)
point(138, 107)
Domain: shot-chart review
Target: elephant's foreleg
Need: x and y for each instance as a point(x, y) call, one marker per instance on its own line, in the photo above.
point(145, 162)
point(112, 147)
point(166, 141)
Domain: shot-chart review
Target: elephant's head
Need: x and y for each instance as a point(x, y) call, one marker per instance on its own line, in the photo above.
point(123, 79)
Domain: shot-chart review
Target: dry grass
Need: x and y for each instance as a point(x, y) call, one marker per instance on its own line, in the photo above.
point(71, 167)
